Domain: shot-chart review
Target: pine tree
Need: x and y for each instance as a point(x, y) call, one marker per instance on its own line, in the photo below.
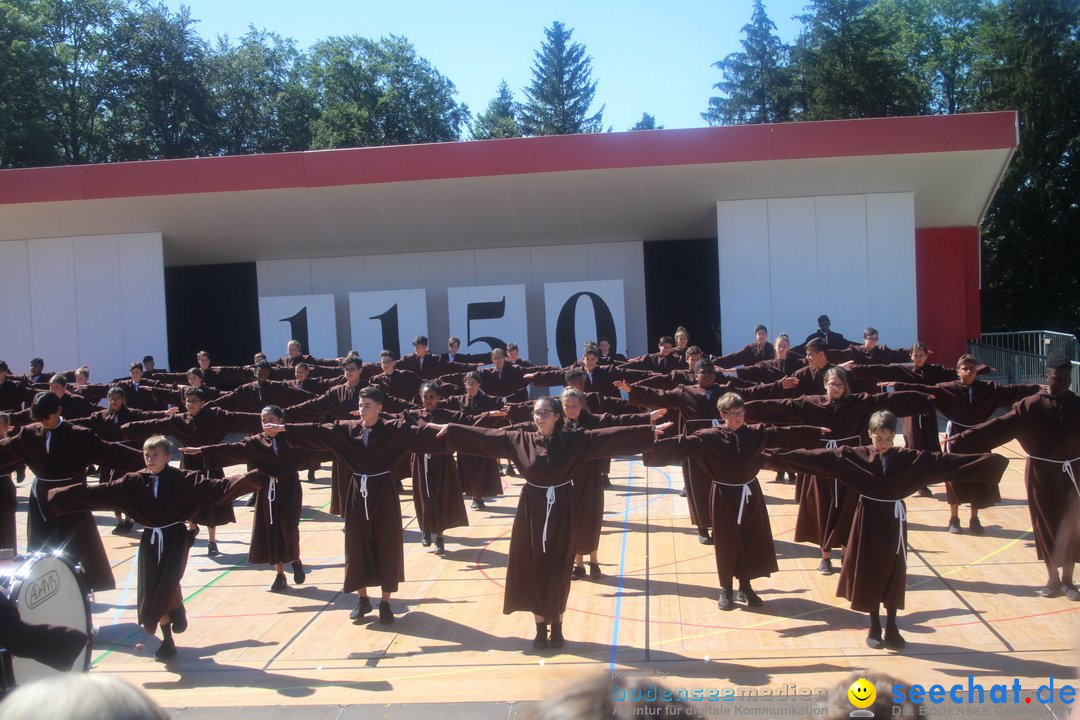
point(757, 83)
point(500, 118)
point(558, 100)
point(647, 122)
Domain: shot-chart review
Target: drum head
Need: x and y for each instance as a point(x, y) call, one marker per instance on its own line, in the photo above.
point(47, 592)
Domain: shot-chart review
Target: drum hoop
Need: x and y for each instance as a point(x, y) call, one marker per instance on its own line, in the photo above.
point(20, 576)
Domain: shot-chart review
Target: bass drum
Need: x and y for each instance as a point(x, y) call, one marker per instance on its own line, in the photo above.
point(47, 591)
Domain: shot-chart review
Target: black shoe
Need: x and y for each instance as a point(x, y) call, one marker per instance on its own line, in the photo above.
point(212, 549)
point(426, 540)
point(954, 526)
point(893, 640)
point(480, 504)
point(179, 619)
point(363, 607)
point(607, 480)
point(976, 527)
point(704, 539)
point(386, 615)
point(251, 500)
point(20, 475)
point(475, 504)
point(873, 639)
point(1052, 589)
point(400, 487)
point(725, 602)
point(825, 567)
point(298, 573)
point(166, 652)
point(926, 492)
point(440, 546)
point(511, 470)
point(541, 639)
point(578, 573)
point(311, 476)
point(594, 571)
point(128, 524)
point(557, 640)
point(119, 529)
point(279, 583)
point(682, 493)
point(1071, 591)
point(748, 596)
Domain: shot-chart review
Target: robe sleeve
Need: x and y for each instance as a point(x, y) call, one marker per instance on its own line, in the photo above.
point(241, 422)
point(883, 373)
point(770, 391)
point(312, 409)
point(425, 440)
point(520, 412)
point(813, 462)
point(762, 372)
point(774, 411)
point(486, 442)
point(624, 419)
point(222, 491)
point(310, 436)
point(11, 449)
point(794, 437)
point(234, 400)
point(671, 451)
point(903, 403)
point(988, 435)
point(548, 378)
point(75, 498)
point(225, 454)
point(616, 406)
point(984, 468)
point(648, 397)
point(142, 429)
point(115, 455)
point(1006, 395)
point(609, 442)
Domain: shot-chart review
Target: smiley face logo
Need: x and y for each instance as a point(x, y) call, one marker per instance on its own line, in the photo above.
point(862, 693)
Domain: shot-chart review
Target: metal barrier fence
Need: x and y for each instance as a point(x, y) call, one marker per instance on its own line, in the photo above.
point(1020, 357)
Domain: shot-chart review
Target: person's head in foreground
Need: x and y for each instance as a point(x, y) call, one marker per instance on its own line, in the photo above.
point(80, 696)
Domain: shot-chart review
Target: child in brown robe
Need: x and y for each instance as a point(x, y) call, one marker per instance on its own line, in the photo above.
point(875, 568)
point(161, 498)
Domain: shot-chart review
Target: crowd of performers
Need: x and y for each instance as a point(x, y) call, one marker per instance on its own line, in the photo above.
point(822, 414)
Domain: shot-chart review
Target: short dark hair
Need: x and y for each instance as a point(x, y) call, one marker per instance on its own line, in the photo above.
point(823, 318)
point(694, 350)
point(512, 346)
point(148, 358)
point(136, 366)
point(1059, 362)
point(966, 358)
point(387, 354)
point(44, 405)
point(116, 390)
point(816, 345)
point(432, 385)
point(374, 393)
point(350, 361)
point(4, 367)
point(196, 371)
point(420, 340)
point(704, 365)
point(667, 340)
point(573, 373)
point(274, 410)
point(302, 364)
point(870, 331)
point(59, 379)
point(591, 350)
point(760, 328)
point(471, 375)
point(194, 392)
point(919, 346)
point(37, 361)
point(263, 365)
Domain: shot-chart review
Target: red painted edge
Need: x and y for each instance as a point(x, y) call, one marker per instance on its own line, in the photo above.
point(356, 166)
point(947, 290)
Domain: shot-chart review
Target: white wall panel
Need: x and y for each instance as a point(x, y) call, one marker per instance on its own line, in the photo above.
point(52, 302)
point(374, 316)
point(743, 255)
point(625, 261)
point(851, 257)
point(142, 292)
point(587, 307)
point(840, 227)
point(440, 271)
point(339, 276)
point(497, 312)
point(284, 277)
point(890, 235)
point(100, 310)
point(793, 269)
point(16, 333)
point(291, 317)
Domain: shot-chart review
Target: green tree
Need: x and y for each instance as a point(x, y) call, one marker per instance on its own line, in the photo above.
point(379, 93)
point(1031, 63)
point(26, 135)
point(847, 65)
point(499, 120)
point(81, 76)
point(558, 100)
point(647, 122)
point(756, 85)
point(164, 107)
point(259, 96)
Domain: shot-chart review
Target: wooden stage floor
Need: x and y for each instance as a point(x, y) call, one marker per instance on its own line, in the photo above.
point(972, 610)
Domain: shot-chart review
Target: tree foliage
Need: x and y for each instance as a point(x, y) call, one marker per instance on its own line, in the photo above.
point(560, 96)
point(647, 122)
point(499, 120)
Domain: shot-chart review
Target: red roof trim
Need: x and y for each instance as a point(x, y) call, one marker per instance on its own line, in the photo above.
point(357, 166)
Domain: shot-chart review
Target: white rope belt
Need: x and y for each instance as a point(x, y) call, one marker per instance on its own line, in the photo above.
point(271, 496)
point(833, 444)
point(1066, 467)
point(363, 487)
point(900, 513)
point(427, 483)
point(547, 509)
point(157, 537)
point(41, 500)
point(744, 499)
point(949, 425)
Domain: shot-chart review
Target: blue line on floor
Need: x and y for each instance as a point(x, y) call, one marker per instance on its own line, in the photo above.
point(622, 563)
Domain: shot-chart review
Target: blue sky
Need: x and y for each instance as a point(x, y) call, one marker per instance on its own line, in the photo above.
point(653, 57)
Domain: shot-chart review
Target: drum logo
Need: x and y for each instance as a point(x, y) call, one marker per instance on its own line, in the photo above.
point(42, 589)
